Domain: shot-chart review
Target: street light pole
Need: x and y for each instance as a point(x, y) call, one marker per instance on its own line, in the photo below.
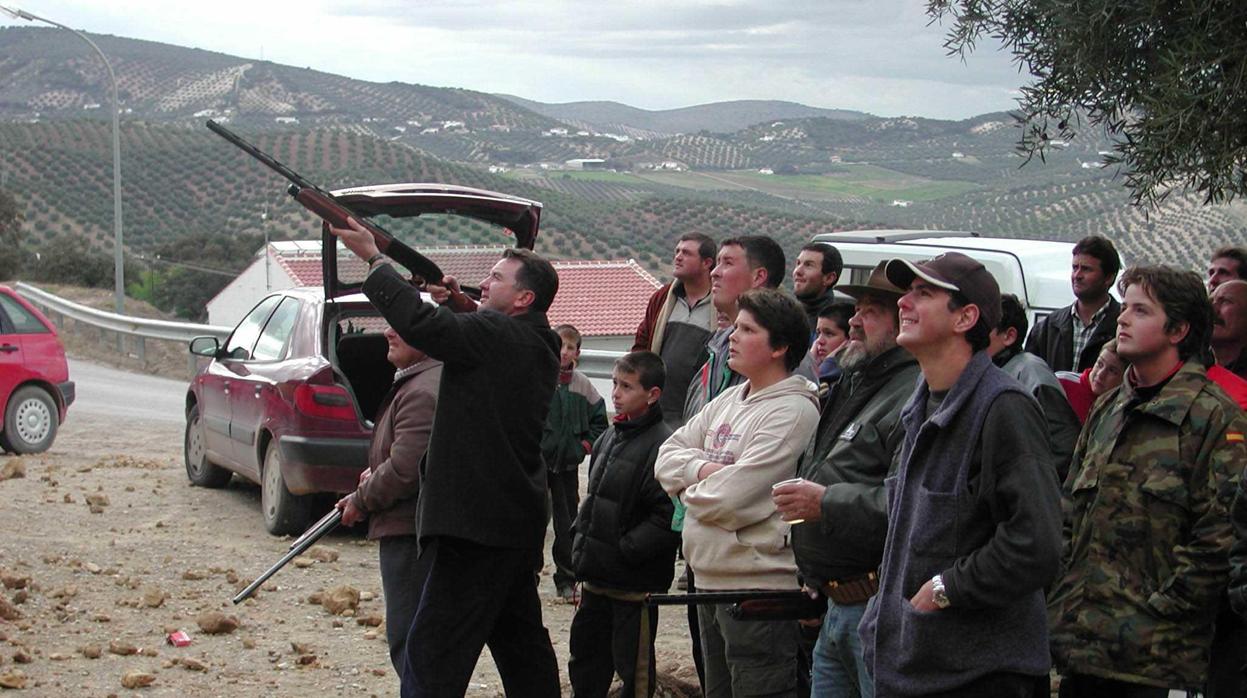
point(118, 261)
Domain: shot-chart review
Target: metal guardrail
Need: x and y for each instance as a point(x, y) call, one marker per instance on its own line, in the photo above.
point(594, 363)
point(136, 328)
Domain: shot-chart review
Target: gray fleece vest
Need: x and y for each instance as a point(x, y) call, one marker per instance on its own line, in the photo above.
point(931, 527)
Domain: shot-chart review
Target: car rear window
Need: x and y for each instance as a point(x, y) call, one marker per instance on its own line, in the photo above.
point(21, 319)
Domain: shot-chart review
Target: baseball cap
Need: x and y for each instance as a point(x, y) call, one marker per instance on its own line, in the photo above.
point(953, 271)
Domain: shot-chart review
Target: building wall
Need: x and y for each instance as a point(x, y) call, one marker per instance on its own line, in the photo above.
point(240, 296)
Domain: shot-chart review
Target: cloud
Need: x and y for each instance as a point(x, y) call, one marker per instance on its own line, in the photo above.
point(880, 56)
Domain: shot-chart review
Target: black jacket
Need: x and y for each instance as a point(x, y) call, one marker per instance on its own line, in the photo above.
point(483, 478)
point(1052, 338)
point(623, 537)
point(859, 433)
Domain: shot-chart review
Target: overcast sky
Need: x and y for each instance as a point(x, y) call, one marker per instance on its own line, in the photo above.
point(878, 56)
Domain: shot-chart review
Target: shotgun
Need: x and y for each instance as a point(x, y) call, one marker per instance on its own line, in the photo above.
point(317, 531)
point(334, 212)
point(750, 605)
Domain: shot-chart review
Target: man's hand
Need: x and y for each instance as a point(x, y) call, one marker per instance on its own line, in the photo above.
point(441, 292)
point(351, 514)
point(357, 239)
point(709, 469)
point(924, 600)
point(799, 501)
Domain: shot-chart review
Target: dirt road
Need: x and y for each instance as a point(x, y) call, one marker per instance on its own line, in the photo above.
point(106, 549)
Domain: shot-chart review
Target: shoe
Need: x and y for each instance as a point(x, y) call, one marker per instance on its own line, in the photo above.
point(568, 595)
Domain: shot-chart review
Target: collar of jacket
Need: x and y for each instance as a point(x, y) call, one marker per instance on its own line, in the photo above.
point(651, 416)
point(416, 369)
point(957, 395)
point(888, 362)
point(1009, 352)
point(1174, 400)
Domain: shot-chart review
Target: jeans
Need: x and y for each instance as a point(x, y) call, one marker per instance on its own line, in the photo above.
point(838, 670)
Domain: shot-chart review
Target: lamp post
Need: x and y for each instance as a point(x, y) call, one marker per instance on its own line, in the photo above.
point(118, 261)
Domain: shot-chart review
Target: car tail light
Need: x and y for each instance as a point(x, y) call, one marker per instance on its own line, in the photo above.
point(325, 401)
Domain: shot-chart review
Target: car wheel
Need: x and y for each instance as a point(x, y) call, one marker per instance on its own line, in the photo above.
point(283, 512)
point(30, 421)
point(199, 470)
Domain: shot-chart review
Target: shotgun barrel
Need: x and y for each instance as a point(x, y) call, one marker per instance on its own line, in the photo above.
point(300, 544)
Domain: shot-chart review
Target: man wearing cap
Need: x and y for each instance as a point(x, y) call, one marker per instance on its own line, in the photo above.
point(841, 497)
point(974, 528)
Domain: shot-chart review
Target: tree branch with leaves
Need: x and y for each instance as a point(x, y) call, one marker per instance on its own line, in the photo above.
point(1167, 79)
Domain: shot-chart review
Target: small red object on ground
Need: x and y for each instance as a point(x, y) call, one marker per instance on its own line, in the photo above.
point(179, 639)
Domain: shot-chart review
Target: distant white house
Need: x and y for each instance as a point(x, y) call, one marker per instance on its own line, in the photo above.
point(585, 164)
point(766, 171)
point(958, 154)
point(286, 120)
point(901, 203)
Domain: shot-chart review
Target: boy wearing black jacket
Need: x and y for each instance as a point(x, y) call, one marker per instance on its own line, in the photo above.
point(623, 547)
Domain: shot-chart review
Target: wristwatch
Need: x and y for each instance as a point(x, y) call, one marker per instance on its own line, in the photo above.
point(938, 594)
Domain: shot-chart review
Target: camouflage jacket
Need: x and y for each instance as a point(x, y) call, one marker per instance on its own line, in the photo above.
point(1147, 532)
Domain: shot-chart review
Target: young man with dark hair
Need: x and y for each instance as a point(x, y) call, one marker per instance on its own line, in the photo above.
point(974, 528)
point(577, 418)
point(624, 546)
point(1228, 262)
point(751, 261)
point(481, 515)
point(721, 465)
point(1147, 505)
point(818, 269)
point(841, 497)
point(679, 320)
point(1070, 338)
point(1034, 375)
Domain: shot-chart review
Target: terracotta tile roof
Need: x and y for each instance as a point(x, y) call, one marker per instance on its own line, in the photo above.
point(601, 298)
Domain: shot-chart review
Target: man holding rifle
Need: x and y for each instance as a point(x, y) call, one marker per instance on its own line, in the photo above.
point(481, 514)
point(387, 490)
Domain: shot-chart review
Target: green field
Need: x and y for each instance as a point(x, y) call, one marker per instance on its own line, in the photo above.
point(866, 181)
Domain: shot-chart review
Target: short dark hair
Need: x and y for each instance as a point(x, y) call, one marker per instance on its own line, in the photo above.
point(833, 263)
point(535, 274)
point(762, 251)
point(784, 320)
point(1013, 315)
point(706, 247)
point(1102, 249)
point(648, 367)
point(1183, 296)
point(839, 312)
point(568, 332)
point(1237, 254)
point(979, 336)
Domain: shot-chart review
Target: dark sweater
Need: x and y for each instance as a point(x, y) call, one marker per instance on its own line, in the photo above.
point(483, 478)
point(623, 537)
point(975, 500)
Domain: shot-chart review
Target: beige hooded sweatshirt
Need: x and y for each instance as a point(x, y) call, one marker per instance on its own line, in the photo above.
point(733, 536)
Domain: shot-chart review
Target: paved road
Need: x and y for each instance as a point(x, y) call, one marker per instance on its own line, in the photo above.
point(108, 391)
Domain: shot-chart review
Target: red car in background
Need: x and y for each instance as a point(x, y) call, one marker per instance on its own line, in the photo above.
point(287, 401)
point(35, 390)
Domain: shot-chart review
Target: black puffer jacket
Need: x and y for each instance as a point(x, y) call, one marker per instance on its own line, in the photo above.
point(623, 537)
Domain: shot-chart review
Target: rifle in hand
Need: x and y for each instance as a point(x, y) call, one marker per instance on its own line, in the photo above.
point(317, 531)
point(334, 212)
point(751, 605)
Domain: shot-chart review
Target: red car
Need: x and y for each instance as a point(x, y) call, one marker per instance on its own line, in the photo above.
point(35, 390)
point(288, 401)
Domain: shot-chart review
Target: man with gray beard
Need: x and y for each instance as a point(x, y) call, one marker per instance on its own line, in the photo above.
point(841, 499)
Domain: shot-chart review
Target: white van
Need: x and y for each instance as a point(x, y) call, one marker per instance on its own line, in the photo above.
point(1036, 271)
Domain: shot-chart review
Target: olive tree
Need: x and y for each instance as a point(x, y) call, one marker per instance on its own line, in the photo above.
point(1168, 79)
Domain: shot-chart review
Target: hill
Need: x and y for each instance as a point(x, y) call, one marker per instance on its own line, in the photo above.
point(719, 117)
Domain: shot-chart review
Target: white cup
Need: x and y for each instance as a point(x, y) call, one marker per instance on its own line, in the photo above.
point(790, 481)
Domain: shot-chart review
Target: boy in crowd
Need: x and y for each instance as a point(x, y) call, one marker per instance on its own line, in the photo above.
point(577, 418)
point(624, 547)
point(722, 465)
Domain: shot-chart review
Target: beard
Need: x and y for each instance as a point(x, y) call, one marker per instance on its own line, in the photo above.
point(854, 356)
